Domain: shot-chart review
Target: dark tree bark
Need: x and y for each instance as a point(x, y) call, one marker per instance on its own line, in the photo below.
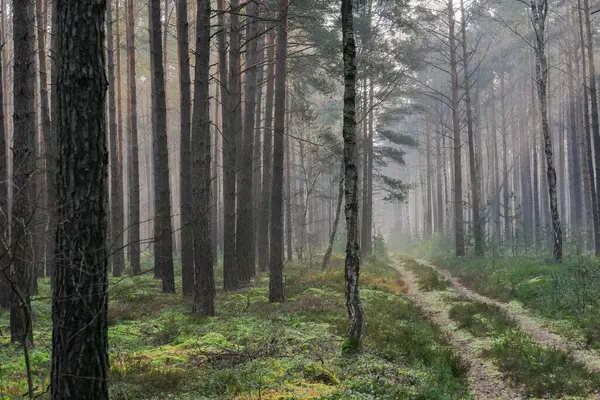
point(187, 249)
point(258, 122)
point(4, 261)
point(276, 287)
point(587, 140)
point(267, 157)
point(458, 200)
point(288, 187)
point(204, 293)
point(230, 137)
point(594, 110)
point(475, 184)
point(41, 12)
point(163, 240)
point(79, 302)
point(116, 188)
point(24, 166)
point(539, 11)
point(352, 263)
point(134, 163)
point(245, 250)
point(224, 92)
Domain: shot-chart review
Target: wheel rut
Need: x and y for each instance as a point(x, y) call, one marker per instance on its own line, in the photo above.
point(485, 380)
point(527, 323)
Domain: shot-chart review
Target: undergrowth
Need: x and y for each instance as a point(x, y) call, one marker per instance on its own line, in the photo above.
point(257, 350)
point(541, 371)
point(565, 292)
point(427, 278)
point(480, 319)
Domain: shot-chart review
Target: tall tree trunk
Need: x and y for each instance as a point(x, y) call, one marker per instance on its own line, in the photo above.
point(204, 293)
point(230, 138)
point(24, 165)
point(439, 226)
point(475, 199)
point(256, 160)
point(276, 288)
point(4, 263)
point(163, 241)
point(587, 141)
point(119, 261)
point(352, 263)
point(45, 127)
point(187, 243)
point(338, 211)
point(288, 185)
point(79, 303)
point(458, 201)
point(267, 154)
point(505, 181)
point(594, 109)
point(116, 210)
point(245, 250)
point(539, 9)
point(134, 163)
point(573, 149)
point(224, 92)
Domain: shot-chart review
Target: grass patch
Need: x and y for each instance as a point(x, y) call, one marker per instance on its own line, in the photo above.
point(541, 371)
point(480, 319)
point(254, 349)
point(565, 292)
point(427, 277)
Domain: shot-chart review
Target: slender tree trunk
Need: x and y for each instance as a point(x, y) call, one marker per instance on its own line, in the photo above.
point(45, 127)
point(288, 185)
point(276, 287)
point(458, 202)
point(539, 9)
point(587, 141)
point(338, 211)
point(79, 303)
point(204, 293)
point(267, 154)
point(475, 199)
point(187, 240)
point(163, 241)
point(4, 177)
point(116, 210)
point(224, 91)
point(352, 263)
point(256, 161)
point(230, 138)
point(134, 164)
point(594, 110)
point(245, 249)
point(24, 165)
point(505, 182)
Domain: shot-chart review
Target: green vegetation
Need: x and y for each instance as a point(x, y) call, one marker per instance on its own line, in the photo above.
point(541, 371)
point(427, 277)
point(257, 350)
point(567, 292)
point(480, 319)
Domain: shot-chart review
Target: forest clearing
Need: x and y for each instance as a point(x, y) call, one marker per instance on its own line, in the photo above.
point(299, 199)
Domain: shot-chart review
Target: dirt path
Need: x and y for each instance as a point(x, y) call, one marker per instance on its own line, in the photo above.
point(589, 358)
point(486, 382)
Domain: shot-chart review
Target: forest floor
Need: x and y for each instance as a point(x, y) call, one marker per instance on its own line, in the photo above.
point(433, 331)
point(257, 350)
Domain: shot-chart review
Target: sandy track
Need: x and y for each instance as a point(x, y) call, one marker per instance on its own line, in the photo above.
point(486, 382)
point(589, 358)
